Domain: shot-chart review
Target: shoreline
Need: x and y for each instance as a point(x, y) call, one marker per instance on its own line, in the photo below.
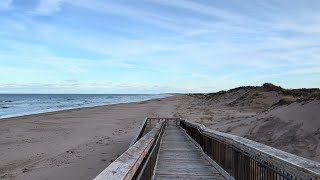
point(75, 109)
point(75, 143)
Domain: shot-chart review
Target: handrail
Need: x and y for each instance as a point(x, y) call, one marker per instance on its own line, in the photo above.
point(246, 159)
point(125, 166)
point(144, 124)
point(146, 170)
point(140, 132)
point(162, 118)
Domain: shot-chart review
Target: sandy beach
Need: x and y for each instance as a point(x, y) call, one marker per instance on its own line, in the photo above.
point(72, 144)
point(79, 144)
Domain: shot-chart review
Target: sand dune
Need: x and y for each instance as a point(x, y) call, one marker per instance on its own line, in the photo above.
point(285, 119)
point(294, 128)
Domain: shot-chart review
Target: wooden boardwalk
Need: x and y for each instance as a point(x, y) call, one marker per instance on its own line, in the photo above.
point(167, 152)
point(180, 158)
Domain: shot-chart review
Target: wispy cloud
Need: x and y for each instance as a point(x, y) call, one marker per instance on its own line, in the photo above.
point(89, 87)
point(200, 8)
point(175, 45)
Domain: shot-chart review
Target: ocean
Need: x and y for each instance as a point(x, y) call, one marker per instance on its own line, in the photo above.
point(12, 105)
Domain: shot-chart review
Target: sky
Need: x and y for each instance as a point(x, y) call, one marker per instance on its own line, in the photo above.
point(157, 46)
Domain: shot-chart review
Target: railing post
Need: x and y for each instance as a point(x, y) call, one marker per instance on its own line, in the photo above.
point(228, 158)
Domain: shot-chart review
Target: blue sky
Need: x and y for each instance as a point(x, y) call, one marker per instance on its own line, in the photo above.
point(157, 46)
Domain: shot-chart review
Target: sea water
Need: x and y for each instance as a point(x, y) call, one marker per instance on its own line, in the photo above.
point(12, 105)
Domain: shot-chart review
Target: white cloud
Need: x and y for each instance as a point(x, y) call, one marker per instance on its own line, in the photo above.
point(93, 87)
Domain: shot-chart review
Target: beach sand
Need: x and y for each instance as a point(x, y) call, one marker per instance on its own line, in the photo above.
point(73, 144)
point(79, 144)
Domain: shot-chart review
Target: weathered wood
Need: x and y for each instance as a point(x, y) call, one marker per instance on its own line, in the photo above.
point(295, 165)
point(126, 165)
point(224, 173)
point(180, 158)
point(140, 131)
point(188, 177)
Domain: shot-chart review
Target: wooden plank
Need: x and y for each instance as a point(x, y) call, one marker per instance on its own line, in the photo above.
point(181, 171)
point(187, 177)
point(179, 158)
point(180, 150)
point(186, 166)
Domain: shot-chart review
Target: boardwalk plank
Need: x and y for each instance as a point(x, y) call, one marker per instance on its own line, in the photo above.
point(179, 158)
point(188, 177)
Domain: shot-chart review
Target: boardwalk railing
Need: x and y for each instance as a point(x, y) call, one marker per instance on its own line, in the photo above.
point(140, 132)
point(138, 161)
point(146, 168)
point(148, 122)
point(244, 159)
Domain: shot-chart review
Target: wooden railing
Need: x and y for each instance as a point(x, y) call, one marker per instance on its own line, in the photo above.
point(244, 159)
point(126, 166)
point(146, 169)
point(140, 132)
point(149, 122)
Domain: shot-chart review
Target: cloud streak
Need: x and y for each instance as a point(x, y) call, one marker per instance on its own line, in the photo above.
point(173, 44)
